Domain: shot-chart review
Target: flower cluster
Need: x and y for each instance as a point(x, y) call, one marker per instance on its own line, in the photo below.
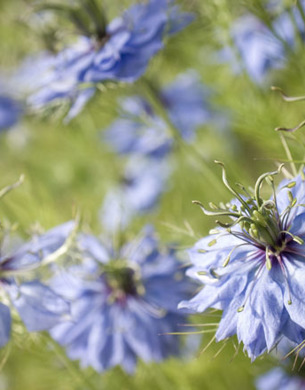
point(123, 303)
point(253, 268)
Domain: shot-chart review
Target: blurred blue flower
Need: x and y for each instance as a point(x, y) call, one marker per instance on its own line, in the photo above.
point(38, 306)
point(261, 48)
point(122, 54)
point(278, 379)
point(51, 82)
point(289, 375)
point(258, 48)
point(134, 39)
point(140, 188)
point(10, 112)
point(141, 131)
point(34, 72)
point(124, 303)
point(253, 270)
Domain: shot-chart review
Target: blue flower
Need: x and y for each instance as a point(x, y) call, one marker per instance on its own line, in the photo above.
point(141, 186)
point(260, 51)
point(184, 96)
point(134, 39)
point(124, 303)
point(278, 379)
point(122, 54)
point(10, 112)
point(141, 131)
point(51, 83)
point(38, 306)
point(261, 48)
point(253, 268)
point(289, 375)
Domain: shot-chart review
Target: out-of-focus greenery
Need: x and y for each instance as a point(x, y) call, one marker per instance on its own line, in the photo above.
point(67, 167)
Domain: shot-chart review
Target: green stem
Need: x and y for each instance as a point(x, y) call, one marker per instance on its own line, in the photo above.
point(301, 10)
point(76, 373)
point(96, 13)
point(153, 98)
point(288, 154)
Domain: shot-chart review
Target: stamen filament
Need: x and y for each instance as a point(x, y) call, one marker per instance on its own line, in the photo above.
point(268, 260)
point(249, 291)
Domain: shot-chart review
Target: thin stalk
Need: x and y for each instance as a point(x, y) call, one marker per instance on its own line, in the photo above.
point(289, 155)
point(11, 187)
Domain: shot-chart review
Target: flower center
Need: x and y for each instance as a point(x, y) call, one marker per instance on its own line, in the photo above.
point(260, 222)
point(123, 280)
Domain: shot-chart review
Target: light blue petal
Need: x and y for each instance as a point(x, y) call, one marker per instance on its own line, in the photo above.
point(5, 324)
point(39, 307)
point(38, 248)
point(295, 294)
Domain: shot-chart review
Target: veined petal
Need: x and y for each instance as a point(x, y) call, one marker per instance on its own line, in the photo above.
point(39, 307)
point(295, 294)
point(5, 324)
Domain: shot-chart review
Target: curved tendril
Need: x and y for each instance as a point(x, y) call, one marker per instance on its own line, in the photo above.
point(215, 213)
point(260, 181)
point(226, 183)
point(291, 129)
point(244, 189)
point(225, 225)
point(267, 204)
point(287, 98)
point(294, 237)
point(236, 222)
